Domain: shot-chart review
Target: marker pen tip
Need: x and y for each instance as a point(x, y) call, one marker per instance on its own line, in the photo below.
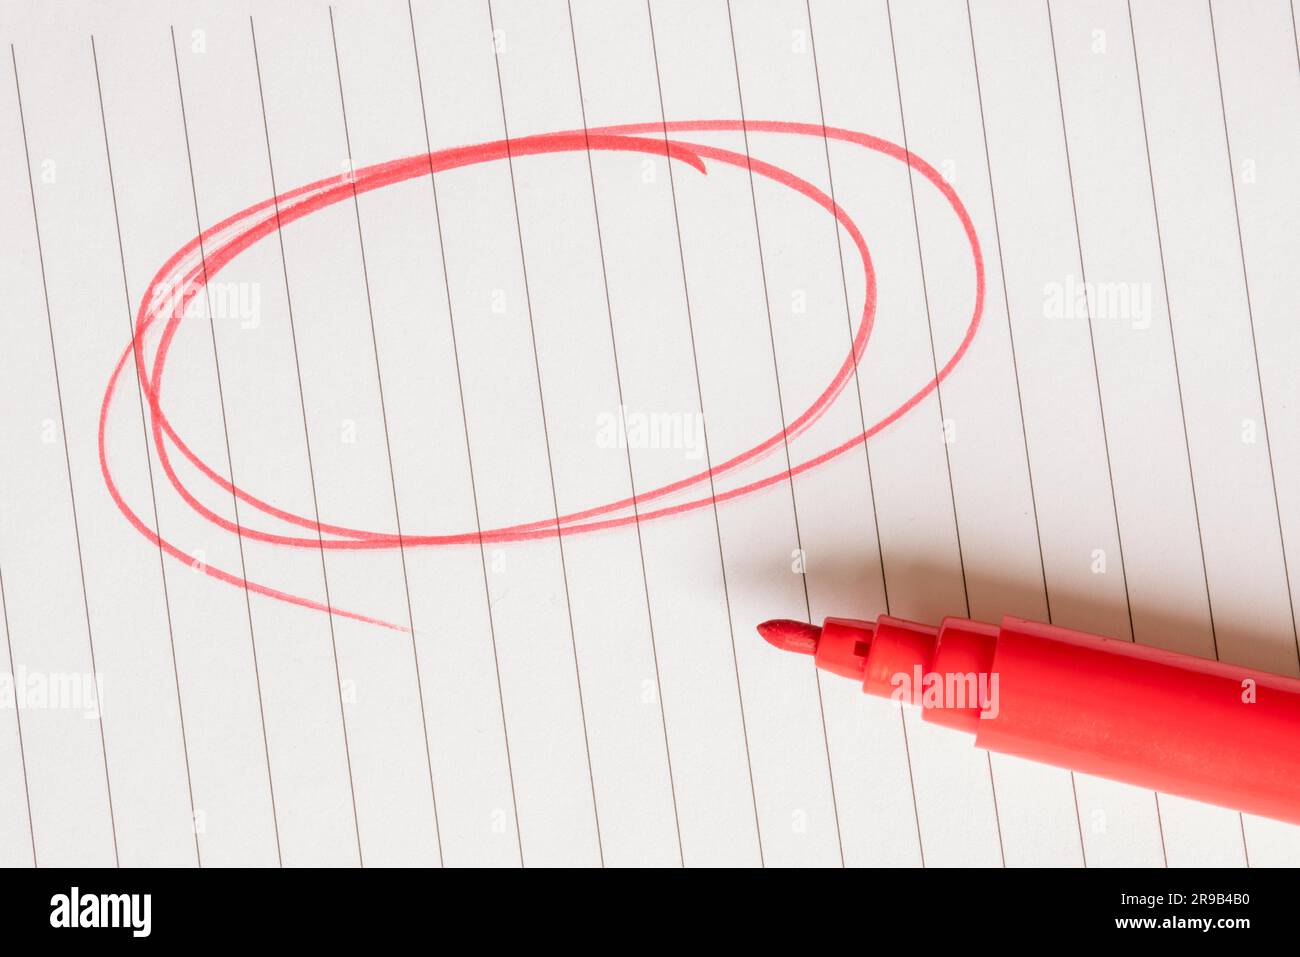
point(791, 635)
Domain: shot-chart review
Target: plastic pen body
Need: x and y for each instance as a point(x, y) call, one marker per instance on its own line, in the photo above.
point(1158, 719)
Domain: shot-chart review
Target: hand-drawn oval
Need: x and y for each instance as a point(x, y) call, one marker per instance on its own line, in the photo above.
point(187, 271)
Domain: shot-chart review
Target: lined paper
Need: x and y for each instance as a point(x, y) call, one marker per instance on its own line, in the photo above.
point(524, 342)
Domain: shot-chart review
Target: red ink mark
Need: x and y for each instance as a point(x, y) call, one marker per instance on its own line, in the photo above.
point(184, 275)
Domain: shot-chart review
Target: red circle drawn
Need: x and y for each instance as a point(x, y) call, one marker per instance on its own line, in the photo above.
point(167, 297)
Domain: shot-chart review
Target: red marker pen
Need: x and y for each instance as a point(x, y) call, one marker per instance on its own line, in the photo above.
point(1158, 719)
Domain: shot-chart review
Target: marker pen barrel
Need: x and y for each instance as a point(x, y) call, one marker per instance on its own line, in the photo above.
point(1158, 719)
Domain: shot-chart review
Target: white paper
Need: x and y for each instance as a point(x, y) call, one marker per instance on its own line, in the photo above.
point(1116, 450)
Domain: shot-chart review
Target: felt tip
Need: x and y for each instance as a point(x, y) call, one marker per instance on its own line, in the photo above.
point(791, 635)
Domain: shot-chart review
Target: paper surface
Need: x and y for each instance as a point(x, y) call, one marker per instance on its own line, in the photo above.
point(492, 341)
